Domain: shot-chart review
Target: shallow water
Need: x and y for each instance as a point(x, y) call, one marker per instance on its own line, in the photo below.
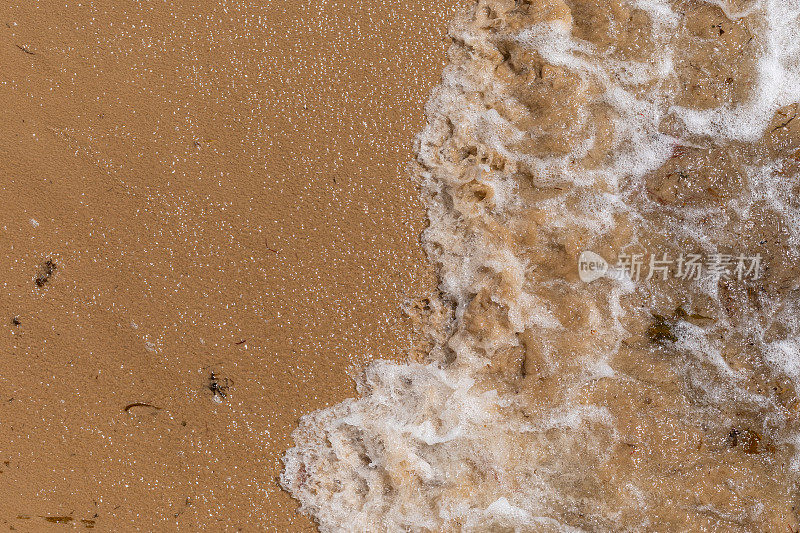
point(612, 198)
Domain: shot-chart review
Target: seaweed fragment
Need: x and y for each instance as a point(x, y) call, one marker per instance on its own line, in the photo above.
point(660, 330)
point(749, 441)
point(139, 404)
point(218, 387)
point(694, 318)
point(46, 271)
point(58, 519)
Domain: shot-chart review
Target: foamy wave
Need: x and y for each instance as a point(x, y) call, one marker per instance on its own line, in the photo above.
point(625, 404)
point(381, 456)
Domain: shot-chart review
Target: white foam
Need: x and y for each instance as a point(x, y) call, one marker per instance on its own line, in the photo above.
point(785, 355)
point(777, 79)
point(461, 445)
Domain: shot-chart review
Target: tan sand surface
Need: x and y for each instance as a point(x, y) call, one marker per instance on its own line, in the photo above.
point(205, 230)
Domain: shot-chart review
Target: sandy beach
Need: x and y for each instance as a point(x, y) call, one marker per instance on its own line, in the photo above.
point(207, 228)
point(555, 241)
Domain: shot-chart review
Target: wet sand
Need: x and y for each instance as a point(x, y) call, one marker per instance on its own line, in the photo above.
point(206, 229)
point(659, 394)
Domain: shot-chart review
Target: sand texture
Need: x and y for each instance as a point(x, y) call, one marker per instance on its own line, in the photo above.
point(206, 229)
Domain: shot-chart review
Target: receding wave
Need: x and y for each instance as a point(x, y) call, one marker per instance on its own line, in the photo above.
point(612, 193)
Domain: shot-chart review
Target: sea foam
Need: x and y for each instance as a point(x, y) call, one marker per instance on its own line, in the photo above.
point(652, 127)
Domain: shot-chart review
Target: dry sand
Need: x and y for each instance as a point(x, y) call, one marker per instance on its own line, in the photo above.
point(220, 190)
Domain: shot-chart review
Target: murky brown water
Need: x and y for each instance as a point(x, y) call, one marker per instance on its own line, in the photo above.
point(661, 396)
